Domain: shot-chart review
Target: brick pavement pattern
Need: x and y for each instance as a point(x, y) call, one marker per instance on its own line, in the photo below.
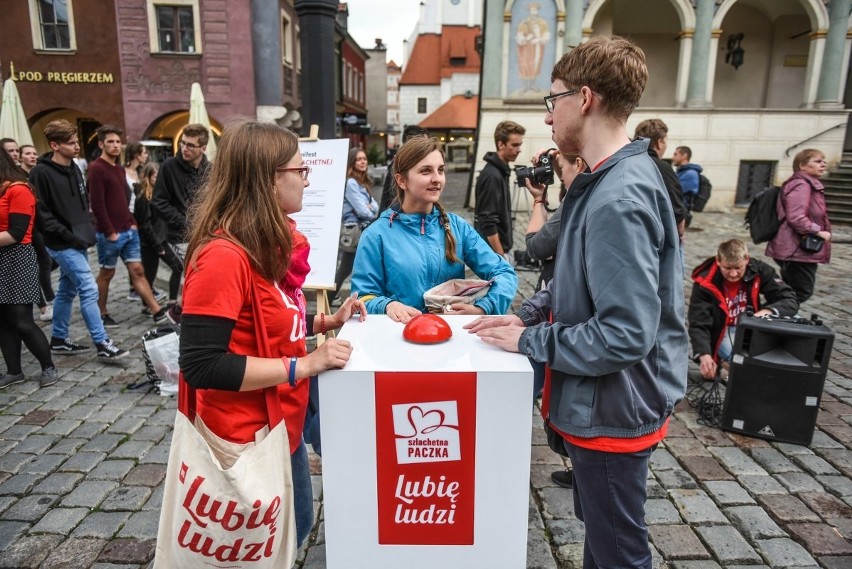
point(82, 462)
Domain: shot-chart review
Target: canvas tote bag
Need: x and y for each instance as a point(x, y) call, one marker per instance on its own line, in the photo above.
point(226, 504)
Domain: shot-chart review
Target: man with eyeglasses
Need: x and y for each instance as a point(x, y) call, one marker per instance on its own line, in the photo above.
point(492, 216)
point(177, 184)
point(611, 325)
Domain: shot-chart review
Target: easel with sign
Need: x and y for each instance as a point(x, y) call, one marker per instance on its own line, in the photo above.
point(321, 209)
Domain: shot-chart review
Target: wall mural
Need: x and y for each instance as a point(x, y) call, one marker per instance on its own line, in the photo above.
point(532, 44)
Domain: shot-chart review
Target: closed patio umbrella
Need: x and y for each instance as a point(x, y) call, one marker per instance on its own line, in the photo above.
point(198, 114)
point(13, 121)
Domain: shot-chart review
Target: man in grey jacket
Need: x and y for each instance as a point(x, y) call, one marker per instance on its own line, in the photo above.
point(611, 327)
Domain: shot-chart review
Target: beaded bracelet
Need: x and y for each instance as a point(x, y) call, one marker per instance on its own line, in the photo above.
point(322, 323)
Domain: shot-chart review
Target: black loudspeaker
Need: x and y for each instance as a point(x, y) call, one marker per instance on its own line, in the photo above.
point(776, 378)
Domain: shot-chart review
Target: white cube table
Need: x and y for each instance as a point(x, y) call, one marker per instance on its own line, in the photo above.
point(426, 451)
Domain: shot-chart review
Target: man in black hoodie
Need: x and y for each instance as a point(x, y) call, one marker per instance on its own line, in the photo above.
point(492, 216)
point(63, 219)
point(658, 132)
point(177, 184)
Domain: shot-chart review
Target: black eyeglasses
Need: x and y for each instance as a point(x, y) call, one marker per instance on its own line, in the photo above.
point(304, 171)
point(190, 145)
point(548, 100)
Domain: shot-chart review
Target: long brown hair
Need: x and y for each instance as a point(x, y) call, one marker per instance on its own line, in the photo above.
point(131, 151)
point(409, 155)
point(360, 177)
point(9, 172)
point(146, 188)
point(239, 201)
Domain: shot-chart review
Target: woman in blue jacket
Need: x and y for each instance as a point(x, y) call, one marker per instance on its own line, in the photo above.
point(416, 245)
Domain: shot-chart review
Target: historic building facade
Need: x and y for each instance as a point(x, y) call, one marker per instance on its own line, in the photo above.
point(132, 63)
point(744, 83)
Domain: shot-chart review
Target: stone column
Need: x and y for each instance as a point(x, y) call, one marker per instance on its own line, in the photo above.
point(832, 76)
point(684, 63)
point(266, 51)
point(573, 24)
point(319, 68)
point(492, 37)
point(702, 61)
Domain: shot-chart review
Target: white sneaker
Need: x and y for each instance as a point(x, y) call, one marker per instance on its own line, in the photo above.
point(47, 315)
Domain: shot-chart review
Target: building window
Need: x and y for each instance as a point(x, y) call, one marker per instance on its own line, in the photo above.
point(286, 40)
point(421, 105)
point(53, 24)
point(176, 29)
point(173, 26)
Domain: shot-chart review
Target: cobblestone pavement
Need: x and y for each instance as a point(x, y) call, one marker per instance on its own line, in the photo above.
point(82, 462)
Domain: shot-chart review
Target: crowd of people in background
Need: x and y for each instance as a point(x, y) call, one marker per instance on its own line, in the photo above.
point(612, 253)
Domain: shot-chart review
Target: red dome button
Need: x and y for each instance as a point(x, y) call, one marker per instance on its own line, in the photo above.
point(427, 329)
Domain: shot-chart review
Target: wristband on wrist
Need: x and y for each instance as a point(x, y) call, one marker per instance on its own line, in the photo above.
point(291, 377)
point(322, 323)
point(537, 201)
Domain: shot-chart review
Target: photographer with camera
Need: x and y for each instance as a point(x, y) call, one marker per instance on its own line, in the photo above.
point(492, 215)
point(541, 238)
point(542, 231)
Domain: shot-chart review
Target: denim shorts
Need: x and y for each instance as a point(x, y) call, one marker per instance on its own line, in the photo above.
point(126, 246)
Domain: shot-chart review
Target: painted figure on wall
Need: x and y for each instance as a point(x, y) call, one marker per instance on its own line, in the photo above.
point(531, 39)
point(531, 48)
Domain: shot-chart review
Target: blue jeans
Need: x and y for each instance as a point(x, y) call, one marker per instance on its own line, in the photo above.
point(127, 246)
point(726, 346)
point(303, 493)
point(609, 498)
point(76, 279)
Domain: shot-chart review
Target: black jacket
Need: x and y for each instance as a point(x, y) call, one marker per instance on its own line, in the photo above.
point(152, 230)
point(708, 309)
point(177, 184)
point(493, 201)
point(672, 186)
point(62, 213)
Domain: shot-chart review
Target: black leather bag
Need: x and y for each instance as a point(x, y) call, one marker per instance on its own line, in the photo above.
point(811, 243)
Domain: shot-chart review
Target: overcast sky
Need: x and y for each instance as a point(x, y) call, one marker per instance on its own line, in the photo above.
point(391, 20)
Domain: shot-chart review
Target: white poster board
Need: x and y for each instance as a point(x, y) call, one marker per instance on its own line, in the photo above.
point(322, 206)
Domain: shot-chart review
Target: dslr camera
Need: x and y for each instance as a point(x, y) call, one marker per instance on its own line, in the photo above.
point(539, 174)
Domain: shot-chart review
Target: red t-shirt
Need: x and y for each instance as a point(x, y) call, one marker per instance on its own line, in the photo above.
point(218, 283)
point(737, 300)
point(19, 198)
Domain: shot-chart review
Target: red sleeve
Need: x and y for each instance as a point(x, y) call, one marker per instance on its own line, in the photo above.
point(218, 281)
point(97, 198)
point(21, 200)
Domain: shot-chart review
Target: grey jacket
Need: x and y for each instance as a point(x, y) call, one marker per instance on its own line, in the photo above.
point(618, 344)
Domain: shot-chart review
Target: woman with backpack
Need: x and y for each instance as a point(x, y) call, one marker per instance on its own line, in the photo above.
point(803, 240)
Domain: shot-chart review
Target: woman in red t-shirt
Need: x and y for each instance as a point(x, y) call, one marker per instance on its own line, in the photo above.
point(243, 246)
point(19, 288)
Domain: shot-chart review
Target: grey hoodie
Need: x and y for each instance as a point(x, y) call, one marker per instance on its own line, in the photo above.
point(618, 344)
